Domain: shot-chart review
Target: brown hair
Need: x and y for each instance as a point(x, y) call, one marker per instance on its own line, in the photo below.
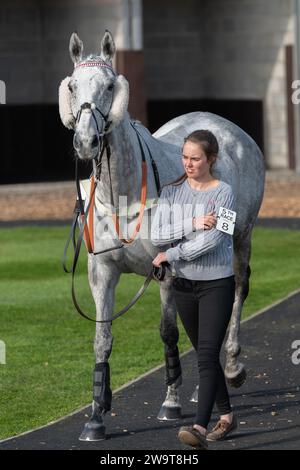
point(209, 145)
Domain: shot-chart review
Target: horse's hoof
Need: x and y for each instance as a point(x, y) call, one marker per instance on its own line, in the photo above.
point(194, 397)
point(239, 380)
point(169, 413)
point(93, 432)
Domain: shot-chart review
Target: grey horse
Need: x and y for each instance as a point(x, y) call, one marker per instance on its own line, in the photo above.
point(93, 102)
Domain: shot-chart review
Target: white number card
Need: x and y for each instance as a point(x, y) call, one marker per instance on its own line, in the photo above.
point(226, 220)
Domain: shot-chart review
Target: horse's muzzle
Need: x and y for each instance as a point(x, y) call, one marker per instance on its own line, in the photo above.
point(88, 148)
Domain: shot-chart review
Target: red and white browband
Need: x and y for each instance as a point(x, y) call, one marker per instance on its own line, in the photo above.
point(94, 63)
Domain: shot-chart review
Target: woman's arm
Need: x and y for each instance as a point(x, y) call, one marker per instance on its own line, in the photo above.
point(166, 227)
point(206, 240)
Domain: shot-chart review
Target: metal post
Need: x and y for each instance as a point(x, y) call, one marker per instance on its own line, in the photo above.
point(126, 26)
point(2, 92)
point(132, 25)
point(297, 69)
point(137, 26)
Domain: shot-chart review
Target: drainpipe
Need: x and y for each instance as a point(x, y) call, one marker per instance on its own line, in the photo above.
point(126, 25)
point(137, 24)
point(297, 74)
point(130, 58)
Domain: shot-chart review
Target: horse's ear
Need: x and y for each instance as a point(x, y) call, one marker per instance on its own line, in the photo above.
point(76, 48)
point(108, 47)
point(120, 102)
point(64, 102)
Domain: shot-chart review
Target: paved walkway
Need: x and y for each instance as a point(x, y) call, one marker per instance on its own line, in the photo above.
point(267, 406)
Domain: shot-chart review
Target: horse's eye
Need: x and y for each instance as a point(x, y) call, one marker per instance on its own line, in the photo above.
point(110, 87)
point(70, 87)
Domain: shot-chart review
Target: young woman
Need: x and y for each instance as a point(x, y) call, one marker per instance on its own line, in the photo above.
point(201, 257)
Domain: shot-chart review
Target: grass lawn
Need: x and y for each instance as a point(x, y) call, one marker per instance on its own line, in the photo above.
point(49, 347)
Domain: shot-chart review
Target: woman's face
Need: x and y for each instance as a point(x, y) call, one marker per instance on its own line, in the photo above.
point(195, 161)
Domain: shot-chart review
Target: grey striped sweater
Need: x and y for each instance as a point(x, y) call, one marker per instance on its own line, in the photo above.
point(200, 255)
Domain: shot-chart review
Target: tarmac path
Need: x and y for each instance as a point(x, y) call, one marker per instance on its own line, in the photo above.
point(267, 405)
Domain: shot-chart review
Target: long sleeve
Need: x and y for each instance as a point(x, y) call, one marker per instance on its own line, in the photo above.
point(167, 225)
point(206, 240)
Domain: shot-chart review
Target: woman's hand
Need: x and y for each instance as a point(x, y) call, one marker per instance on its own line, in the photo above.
point(206, 222)
point(160, 258)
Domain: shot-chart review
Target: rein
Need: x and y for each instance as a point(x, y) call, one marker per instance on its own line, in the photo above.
point(86, 231)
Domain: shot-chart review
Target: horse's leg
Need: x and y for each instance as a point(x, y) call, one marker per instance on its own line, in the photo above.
point(171, 408)
point(234, 370)
point(103, 280)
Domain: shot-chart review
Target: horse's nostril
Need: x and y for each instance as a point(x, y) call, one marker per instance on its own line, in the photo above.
point(95, 141)
point(76, 142)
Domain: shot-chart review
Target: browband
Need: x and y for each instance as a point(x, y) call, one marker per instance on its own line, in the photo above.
point(95, 63)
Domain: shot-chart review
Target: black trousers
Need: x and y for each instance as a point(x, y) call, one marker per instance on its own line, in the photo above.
point(205, 309)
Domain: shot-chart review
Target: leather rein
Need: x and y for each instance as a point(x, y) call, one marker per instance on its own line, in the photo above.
point(86, 230)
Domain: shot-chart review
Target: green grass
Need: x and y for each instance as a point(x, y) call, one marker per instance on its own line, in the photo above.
point(50, 347)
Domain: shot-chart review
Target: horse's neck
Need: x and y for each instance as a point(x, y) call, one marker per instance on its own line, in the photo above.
point(124, 177)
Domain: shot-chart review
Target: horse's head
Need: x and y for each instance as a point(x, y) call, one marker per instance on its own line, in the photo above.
point(94, 99)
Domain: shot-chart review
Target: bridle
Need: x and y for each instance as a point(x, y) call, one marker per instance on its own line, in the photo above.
point(87, 216)
point(92, 107)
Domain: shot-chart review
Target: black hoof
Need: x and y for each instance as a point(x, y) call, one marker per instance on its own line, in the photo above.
point(93, 432)
point(169, 413)
point(194, 397)
point(239, 380)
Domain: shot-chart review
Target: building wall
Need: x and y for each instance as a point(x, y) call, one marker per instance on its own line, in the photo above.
point(174, 49)
point(223, 49)
point(247, 59)
point(194, 49)
point(34, 42)
point(34, 58)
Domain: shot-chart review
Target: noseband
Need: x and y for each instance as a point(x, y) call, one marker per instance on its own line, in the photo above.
point(92, 107)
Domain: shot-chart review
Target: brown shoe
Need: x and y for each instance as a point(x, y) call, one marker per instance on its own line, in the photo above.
point(192, 437)
point(221, 430)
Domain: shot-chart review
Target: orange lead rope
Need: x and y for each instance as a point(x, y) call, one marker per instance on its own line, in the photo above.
point(115, 217)
point(89, 227)
point(87, 232)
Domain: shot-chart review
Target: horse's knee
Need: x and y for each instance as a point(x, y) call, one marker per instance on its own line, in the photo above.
point(103, 345)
